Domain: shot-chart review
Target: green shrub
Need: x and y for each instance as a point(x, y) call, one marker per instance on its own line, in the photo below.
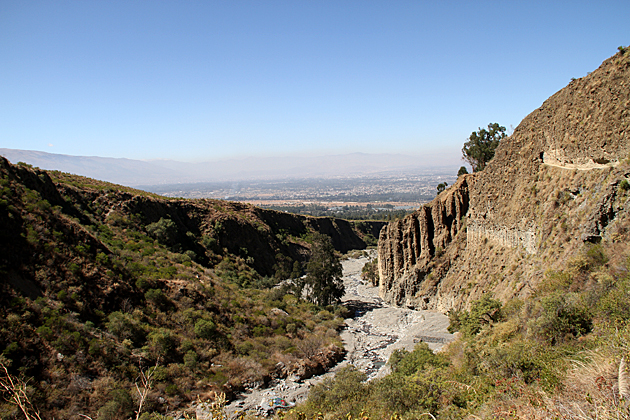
point(483, 311)
point(613, 305)
point(168, 272)
point(171, 389)
point(125, 327)
point(401, 394)
point(45, 332)
point(164, 230)
point(209, 243)
point(153, 416)
point(561, 316)
point(157, 297)
point(143, 284)
point(407, 363)
point(524, 359)
point(205, 328)
point(369, 272)
point(11, 348)
point(74, 268)
point(162, 343)
point(191, 255)
point(370, 240)
point(343, 390)
point(595, 256)
point(119, 406)
point(102, 258)
point(190, 359)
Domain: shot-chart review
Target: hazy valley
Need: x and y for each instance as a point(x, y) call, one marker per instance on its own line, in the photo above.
point(119, 303)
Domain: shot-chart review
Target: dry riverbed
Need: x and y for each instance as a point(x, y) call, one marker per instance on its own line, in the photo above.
point(369, 338)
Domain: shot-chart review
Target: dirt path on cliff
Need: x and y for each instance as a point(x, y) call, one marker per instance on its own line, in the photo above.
point(369, 338)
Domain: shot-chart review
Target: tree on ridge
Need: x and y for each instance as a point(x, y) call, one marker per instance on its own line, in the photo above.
point(479, 149)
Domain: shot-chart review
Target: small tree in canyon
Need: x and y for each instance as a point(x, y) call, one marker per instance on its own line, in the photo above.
point(323, 284)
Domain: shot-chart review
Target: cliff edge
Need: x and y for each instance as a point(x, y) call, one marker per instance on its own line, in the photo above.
point(556, 185)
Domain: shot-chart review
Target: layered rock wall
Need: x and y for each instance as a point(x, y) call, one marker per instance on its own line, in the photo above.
point(408, 244)
point(502, 235)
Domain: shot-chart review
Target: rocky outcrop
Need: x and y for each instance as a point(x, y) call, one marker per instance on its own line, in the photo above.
point(316, 365)
point(408, 245)
point(552, 186)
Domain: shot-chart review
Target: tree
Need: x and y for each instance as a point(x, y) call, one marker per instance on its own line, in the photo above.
point(479, 149)
point(323, 284)
point(164, 230)
point(462, 171)
point(442, 186)
point(369, 272)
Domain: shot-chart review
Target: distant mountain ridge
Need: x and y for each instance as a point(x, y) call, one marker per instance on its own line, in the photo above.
point(154, 172)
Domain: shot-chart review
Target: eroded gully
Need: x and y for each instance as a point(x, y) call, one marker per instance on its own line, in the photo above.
point(370, 337)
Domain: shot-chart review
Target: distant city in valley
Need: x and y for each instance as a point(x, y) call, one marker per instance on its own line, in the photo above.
point(358, 196)
point(353, 186)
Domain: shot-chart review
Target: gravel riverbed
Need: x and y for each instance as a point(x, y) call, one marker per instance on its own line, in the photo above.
point(370, 337)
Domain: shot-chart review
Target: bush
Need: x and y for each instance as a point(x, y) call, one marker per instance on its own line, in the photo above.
point(153, 416)
point(74, 268)
point(157, 297)
point(369, 272)
point(370, 240)
point(612, 304)
point(332, 394)
point(209, 243)
point(143, 284)
point(205, 328)
point(164, 230)
point(45, 332)
point(562, 316)
point(595, 256)
point(125, 327)
point(190, 359)
point(119, 406)
point(162, 343)
point(483, 311)
point(407, 363)
point(171, 389)
point(524, 359)
point(400, 394)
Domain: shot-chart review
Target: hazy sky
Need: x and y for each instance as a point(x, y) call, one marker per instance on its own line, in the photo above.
point(196, 80)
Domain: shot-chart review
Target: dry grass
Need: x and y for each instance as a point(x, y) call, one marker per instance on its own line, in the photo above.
point(592, 390)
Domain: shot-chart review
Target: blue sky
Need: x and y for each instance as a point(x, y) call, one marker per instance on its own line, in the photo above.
point(203, 80)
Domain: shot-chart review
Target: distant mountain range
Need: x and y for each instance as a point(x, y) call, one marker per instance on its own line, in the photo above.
point(155, 172)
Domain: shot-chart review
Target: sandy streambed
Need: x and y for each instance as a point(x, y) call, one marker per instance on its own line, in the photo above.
point(369, 338)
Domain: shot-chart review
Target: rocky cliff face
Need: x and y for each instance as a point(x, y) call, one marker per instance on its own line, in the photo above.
point(408, 246)
point(553, 186)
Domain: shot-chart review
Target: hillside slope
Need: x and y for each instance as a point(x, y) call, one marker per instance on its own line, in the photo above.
point(99, 281)
point(556, 185)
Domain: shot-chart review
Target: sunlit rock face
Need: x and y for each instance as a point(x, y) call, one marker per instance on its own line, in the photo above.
point(552, 186)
